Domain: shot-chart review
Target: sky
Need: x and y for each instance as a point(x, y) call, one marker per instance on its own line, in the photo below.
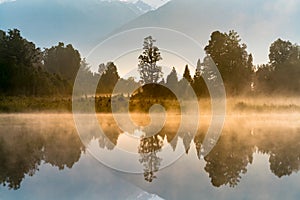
point(3, 1)
point(259, 23)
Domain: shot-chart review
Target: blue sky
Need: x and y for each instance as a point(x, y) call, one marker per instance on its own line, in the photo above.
point(259, 23)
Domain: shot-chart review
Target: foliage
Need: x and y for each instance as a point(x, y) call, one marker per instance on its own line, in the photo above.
point(21, 68)
point(232, 60)
point(150, 72)
point(108, 79)
point(172, 80)
point(281, 74)
point(62, 60)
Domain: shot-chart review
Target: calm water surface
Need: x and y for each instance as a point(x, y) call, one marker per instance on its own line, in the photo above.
point(43, 157)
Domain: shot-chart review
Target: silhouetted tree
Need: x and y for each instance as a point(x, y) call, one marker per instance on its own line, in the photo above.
point(108, 79)
point(126, 85)
point(198, 83)
point(281, 75)
point(187, 74)
point(172, 80)
point(21, 68)
point(63, 60)
point(149, 71)
point(232, 60)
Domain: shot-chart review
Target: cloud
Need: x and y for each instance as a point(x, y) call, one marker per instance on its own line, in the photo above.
point(4, 1)
point(283, 6)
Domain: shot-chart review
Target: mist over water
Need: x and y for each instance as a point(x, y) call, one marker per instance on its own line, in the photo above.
point(265, 143)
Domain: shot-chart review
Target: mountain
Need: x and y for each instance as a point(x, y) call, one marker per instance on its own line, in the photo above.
point(259, 23)
point(80, 22)
point(145, 196)
point(142, 6)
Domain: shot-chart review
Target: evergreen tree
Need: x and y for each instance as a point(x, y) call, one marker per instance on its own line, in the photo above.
point(172, 80)
point(187, 74)
point(108, 79)
point(149, 71)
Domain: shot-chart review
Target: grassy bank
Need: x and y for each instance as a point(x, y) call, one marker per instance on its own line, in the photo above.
point(103, 104)
point(35, 104)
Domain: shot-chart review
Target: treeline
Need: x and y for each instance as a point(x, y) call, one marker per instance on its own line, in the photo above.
point(26, 70)
point(280, 76)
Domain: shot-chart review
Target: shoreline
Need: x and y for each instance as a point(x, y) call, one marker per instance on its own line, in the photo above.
point(234, 106)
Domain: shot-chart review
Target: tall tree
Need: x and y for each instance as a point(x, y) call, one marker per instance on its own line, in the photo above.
point(187, 74)
point(232, 60)
point(149, 71)
point(172, 80)
point(198, 82)
point(108, 79)
point(21, 68)
point(281, 75)
point(63, 60)
point(282, 52)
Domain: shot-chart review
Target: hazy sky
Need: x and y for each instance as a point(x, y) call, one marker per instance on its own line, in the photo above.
point(3, 1)
point(259, 23)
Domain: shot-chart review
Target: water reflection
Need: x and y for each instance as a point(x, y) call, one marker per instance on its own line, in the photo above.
point(149, 146)
point(27, 141)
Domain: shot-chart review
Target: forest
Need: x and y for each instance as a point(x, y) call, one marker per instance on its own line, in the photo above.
point(44, 78)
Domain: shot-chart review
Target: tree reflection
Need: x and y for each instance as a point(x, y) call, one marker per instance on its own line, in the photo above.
point(27, 143)
point(229, 159)
point(20, 154)
point(283, 148)
point(23, 148)
point(110, 137)
point(149, 146)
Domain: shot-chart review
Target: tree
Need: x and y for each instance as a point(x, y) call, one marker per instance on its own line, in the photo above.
point(108, 79)
point(85, 78)
point(232, 60)
point(21, 68)
point(183, 84)
point(63, 60)
point(282, 52)
point(198, 83)
point(187, 74)
point(281, 74)
point(126, 86)
point(149, 71)
point(172, 80)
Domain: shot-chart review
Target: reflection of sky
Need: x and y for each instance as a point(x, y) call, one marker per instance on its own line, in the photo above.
point(86, 180)
point(186, 179)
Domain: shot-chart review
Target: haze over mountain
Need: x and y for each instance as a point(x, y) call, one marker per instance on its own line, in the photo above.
point(86, 23)
point(259, 23)
point(82, 23)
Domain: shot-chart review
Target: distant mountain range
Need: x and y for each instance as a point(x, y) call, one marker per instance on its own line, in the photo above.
point(85, 23)
point(80, 22)
point(259, 23)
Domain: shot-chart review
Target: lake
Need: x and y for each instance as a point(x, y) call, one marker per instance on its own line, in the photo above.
point(42, 156)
